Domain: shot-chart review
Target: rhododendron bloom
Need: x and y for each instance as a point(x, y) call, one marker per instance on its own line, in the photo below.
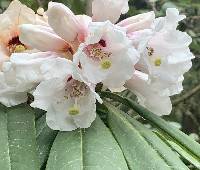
point(138, 22)
point(15, 15)
point(106, 55)
point(70, 54)
point(149, 96)
point(21, 74)
point(111, 10)
point(167, 55)
point(69, 101)
point(57, 38)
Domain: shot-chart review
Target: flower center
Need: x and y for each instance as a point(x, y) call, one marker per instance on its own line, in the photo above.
point(15, 45)
point(152, 57)
point(78, 89)
point(74, 90)
point(97, 53)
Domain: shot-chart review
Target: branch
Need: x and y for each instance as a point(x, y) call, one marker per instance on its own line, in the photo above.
point(187, 95)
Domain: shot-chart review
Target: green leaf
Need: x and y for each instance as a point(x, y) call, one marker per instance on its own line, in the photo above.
point(189, 145)
point(89, 149)
point(179, 149)
point(18, 139)
point(183, 153)
point(38, 113)
point(164, 151)
point(31, 3)
point(45, 139)
point(139, 144)
point(4, 145)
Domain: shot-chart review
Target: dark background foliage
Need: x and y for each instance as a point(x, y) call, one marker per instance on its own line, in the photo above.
point(186, 110)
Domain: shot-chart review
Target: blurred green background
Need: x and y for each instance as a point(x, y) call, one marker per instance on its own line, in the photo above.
point(186, 110)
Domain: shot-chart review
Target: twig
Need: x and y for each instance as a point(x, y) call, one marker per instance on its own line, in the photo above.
point(187, 95)
point(89, 7)
point(39, 3)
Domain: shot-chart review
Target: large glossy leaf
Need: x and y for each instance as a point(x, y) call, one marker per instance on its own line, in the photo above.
point(89, 149)
point(186, 143)
point(45, 139)
point(18, 139)
point(139, 144)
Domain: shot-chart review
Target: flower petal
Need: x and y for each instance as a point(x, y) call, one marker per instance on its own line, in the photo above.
point(109, 9)
point(3, 56)
point(138, 22)
point(148, 96)
point(84, 22)
point(63, 21)
point(56, 67)
point(42, 38)
point(87, 106)
point(20, 13)
point(58, 120)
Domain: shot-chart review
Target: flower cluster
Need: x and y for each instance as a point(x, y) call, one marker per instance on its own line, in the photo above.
point(60, 57)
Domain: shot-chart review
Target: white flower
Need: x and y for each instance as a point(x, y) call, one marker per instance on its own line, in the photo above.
point(104, 10)
point(70, 103)
point(15, 15)
point(138, 22)
point(42, 38)
point(148, 96)
point(166, 56)
point(20, 75)
point(56, 37)
point(107, 55)
point(61, 17)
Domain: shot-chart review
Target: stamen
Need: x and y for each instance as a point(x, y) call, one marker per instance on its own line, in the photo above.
point(105, 64)
point(19, 49)
point(75, 89)
point(96, 51)
point(158, 62)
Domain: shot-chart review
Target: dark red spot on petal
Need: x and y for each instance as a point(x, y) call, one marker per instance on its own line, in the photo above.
point(15, 41)
point(69, 79)
point(102, 43)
